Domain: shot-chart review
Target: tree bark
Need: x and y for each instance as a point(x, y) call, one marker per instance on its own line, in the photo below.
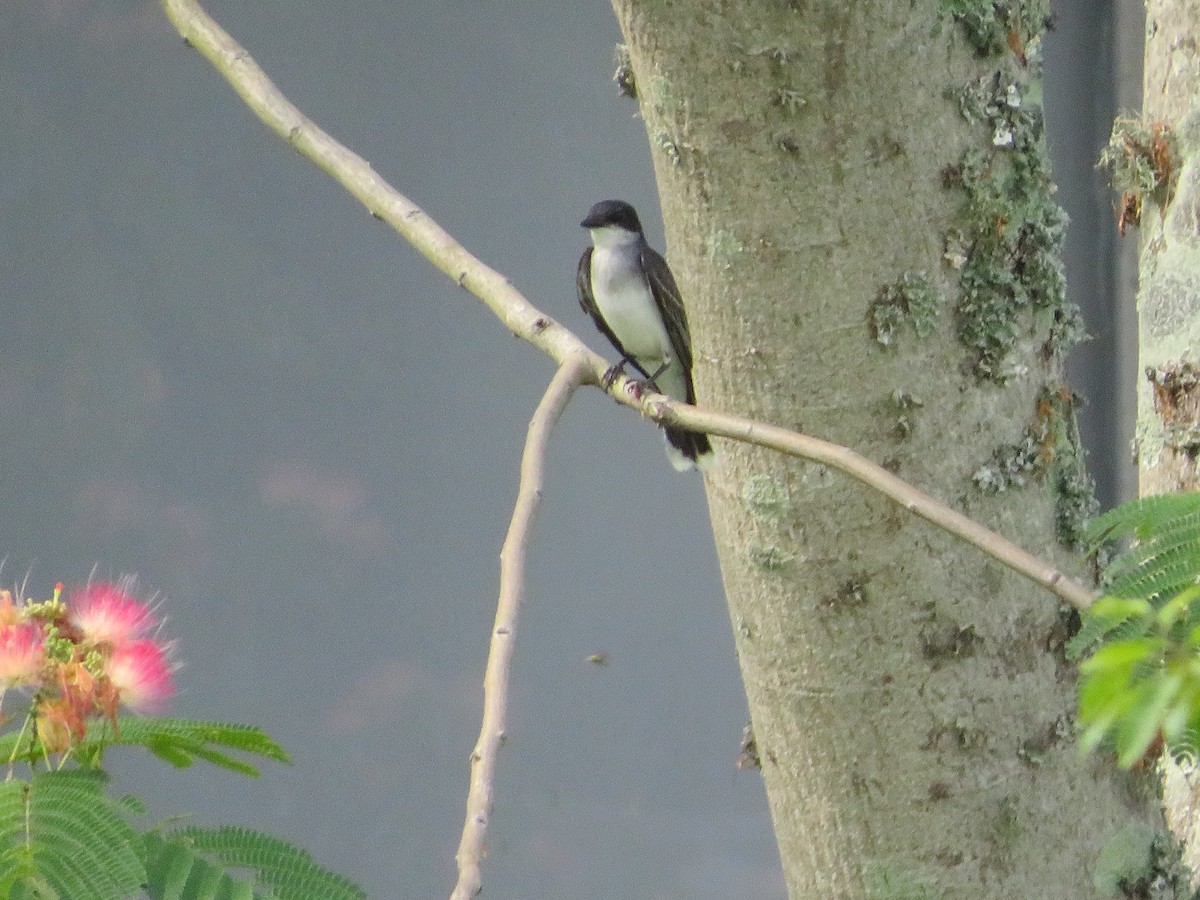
point(858, 214)
point(1168, 325)
point(1168, 417)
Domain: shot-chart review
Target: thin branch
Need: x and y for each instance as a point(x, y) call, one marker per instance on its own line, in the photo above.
point(355, 174)
point(530, 324)
point(845, 460)
point(570, 375)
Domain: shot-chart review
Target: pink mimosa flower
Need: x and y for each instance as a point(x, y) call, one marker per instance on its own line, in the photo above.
point(22, 654)
point(141, 674)
point(106, 614)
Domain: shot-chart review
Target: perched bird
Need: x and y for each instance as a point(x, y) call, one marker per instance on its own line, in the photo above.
point(629, 291)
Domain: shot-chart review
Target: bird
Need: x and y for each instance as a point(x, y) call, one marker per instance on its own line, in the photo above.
point(628, 290)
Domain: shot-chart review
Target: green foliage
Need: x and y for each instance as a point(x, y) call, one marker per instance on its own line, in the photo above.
point(178, 741)
point(196, 863)
point(1166, 554)
point(1141, 683)
point(61, 836)
point(181, 742)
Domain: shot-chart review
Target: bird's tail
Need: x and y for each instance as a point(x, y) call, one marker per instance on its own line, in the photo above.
point(688, 449)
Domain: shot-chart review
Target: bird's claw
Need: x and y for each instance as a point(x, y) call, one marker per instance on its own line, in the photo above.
point(643, 386)
point(612, 373)
point(637, 387)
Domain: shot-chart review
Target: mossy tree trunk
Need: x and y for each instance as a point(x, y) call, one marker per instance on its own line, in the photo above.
point(858, 209)
point(1168, 429)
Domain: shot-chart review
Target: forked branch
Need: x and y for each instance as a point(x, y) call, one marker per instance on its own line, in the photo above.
point(577, 365)
point(528, 323)
point(512, 585)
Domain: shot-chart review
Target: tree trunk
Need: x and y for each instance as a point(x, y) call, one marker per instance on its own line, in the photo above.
point(1168, 422)
point(857, 207)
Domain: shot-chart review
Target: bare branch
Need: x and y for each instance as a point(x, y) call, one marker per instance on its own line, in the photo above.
point(845, 460)
point(386, 203)
point(527, 322)
point(512, 584)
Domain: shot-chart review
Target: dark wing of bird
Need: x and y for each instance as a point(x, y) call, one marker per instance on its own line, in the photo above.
point(670, 307)
point(583, 284)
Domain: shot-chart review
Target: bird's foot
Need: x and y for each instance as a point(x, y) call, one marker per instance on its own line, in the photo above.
point(612, 373)
point(636, 387)
point(651, 383)
point(642, 386)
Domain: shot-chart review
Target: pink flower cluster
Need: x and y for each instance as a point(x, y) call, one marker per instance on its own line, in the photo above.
point(83, 659)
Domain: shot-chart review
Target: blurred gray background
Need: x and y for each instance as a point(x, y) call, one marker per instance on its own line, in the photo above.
point(218, 372)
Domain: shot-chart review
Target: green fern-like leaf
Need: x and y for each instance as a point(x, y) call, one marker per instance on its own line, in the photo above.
point(61, 836)
point(1140, 519)
point(1116, 618)
point(178, 741)
point(1171, 539)
point(1157, 578)
point(1141, 684)
point(181, 742)
point(1162, 562)
point(181, 863)
point(1170, 533)
point(1165, 555)
point(174, 871)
